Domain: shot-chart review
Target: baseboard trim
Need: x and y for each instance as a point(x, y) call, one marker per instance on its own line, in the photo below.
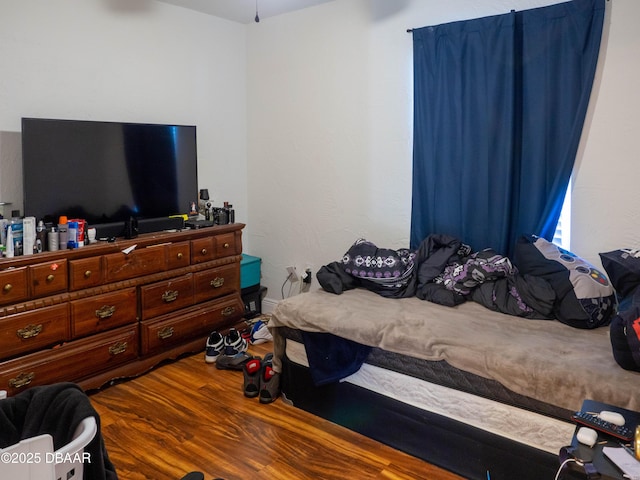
point(268, 304)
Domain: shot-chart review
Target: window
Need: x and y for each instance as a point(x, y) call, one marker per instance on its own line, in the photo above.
point(562, 236)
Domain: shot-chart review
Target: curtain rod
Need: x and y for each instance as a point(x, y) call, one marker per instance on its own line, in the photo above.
point(410, 30)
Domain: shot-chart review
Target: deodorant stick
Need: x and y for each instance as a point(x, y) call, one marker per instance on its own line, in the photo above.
point(52, 239)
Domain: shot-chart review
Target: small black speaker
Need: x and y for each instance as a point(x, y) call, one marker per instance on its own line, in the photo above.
point(150, 225)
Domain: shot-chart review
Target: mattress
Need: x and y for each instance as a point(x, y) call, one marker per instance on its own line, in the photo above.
point(544, 361)
point(456, 401)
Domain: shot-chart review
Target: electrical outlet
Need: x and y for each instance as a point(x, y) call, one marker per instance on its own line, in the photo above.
point(293, 275)
point(307, 276)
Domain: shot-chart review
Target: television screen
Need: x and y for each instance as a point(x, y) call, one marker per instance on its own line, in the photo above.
point(106, 172)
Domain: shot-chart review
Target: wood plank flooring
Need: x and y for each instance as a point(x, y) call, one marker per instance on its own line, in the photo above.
point(189, 416)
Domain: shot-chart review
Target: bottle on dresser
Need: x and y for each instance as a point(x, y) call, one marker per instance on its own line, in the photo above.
point(16, 233)
point(41, 238)
point(63, 232)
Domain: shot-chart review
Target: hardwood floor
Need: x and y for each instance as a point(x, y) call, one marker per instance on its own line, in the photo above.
point(189, 416)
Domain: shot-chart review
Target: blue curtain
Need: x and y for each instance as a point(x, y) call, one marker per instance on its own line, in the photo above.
point(499, 105)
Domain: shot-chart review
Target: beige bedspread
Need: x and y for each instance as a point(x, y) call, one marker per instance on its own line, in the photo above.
point(542, 359)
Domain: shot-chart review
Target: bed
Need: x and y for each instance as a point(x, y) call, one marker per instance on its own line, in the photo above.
point(475, 391)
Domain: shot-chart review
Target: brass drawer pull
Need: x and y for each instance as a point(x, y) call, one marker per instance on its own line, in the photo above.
point(7, 288)
point(29, 331)
point(118, 348)
point(226, 245)
point(22, 380)
point(203, 251)
point(217, 282)
point(106, 311)
point(180, 255)
point(228, 311)
point(165, 333)
point(87, 274)
point(170, 296)
point(50, 278)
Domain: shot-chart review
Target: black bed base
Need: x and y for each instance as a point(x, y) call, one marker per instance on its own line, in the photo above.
point(465, 450)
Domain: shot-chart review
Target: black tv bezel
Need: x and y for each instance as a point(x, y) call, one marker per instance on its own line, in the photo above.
point(116, 229)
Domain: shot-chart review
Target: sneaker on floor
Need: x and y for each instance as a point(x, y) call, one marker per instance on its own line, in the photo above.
point(213, 347)
point(233, 362)
point(269, 381)
point(251, 372)
point(234, 343)
point(260, 333)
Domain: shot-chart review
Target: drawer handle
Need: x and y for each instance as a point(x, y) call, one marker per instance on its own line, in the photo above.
point(203, 251)
point(226, 245)
point(29, 331)
point(217, 282)
point(106, 311)
point(22, 380)
point(228, 311)
point(118, 348)
point(170, 296)
point(50, 278)
point(87, 274)
point(7, 288)
point(180, 256)
point(165, 333)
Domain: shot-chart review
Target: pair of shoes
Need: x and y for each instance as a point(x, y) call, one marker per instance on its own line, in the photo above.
point(260, 333)
point(260, 380)
point(234, 355)
point(229, 345)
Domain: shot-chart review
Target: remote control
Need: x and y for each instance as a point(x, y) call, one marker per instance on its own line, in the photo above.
point(593, 421)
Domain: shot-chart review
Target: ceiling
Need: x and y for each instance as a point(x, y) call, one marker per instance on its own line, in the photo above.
point(244, 11)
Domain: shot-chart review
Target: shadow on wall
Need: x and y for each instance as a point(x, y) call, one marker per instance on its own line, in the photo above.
point(130, 6)
point(11, 172)
point(381, 9)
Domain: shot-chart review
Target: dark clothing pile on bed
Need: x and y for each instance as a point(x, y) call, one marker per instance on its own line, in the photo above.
point(442, 270)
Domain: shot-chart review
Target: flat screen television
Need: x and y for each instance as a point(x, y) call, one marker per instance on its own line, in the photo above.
point(107, 172)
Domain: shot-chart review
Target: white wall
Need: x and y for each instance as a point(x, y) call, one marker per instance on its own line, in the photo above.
point(133, 60)
point(330, 131)
point(304, 120)
point(606, 195)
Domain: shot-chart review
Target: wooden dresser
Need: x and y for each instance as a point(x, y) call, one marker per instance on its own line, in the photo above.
point(113, 310)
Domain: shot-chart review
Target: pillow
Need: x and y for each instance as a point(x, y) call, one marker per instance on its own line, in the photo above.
point(623, 268)
point(585, 297)
point(365, 260)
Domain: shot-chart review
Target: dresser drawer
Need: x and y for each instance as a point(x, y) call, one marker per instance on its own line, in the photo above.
point(168, 330)
point(210, 284)
point(70, 362)
point(178, 255)
point(30, 331)
point(103, 312)
point(13, 285)
point(226, 245)
point(203, 249)
point(121, 266)
point(166, 296)
point(85, 273)
point(48, 278)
